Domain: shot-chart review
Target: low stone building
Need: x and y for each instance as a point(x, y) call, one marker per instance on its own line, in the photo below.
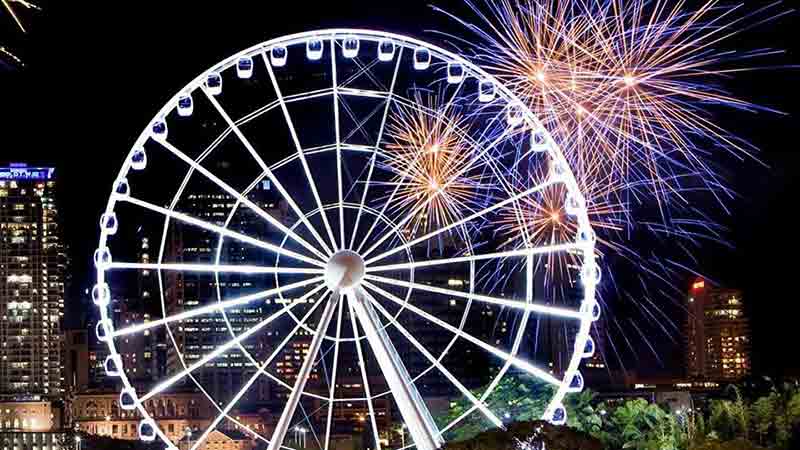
point(99, 413)
point(221, 440)
point(29, 415)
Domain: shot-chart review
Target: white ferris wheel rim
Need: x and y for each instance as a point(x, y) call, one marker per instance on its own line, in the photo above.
point(470, 69)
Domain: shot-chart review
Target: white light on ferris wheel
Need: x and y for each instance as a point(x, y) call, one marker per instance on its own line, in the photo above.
point(349, 259)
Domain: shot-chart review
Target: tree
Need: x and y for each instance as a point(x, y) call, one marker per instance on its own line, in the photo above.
point(763, 417)
point(516, 398)
point(530, 435)
point(730, 419)
point(582, 413)
point(637, 424)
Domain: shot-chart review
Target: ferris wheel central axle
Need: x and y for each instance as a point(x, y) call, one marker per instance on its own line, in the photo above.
point(344, 270)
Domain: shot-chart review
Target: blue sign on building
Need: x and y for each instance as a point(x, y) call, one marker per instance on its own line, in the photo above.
point(22, 172)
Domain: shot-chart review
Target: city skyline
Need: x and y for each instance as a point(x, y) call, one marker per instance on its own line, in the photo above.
point(724, 266)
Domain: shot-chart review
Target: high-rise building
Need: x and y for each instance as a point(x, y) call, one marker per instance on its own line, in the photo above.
point(32, 270)
point(76, 360)
point(196, 337)
point(717, 334)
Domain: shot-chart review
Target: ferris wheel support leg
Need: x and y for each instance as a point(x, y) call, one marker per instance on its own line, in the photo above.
point(410, 403)
point(282, 427)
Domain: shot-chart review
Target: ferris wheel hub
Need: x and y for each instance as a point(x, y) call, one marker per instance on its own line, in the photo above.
point(344, 271)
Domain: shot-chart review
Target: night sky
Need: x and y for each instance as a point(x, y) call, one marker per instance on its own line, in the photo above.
point(97, 71)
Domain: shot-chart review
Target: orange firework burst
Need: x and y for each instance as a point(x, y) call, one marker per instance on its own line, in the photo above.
point(431, 155)
point(542, 220)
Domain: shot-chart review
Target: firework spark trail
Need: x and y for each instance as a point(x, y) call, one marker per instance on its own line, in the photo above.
point(8, 54)
point(9, 7)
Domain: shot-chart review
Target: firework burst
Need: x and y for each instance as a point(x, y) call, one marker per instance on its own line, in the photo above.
point(624, 85)
point(431, 155)
point(543, 219)
point(629, 91)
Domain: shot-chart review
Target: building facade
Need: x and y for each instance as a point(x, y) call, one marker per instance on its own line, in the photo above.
point(179, 415)
point(76, 360)
point(99, 413)
point(717, 334)
point(32, 271)
point(29, 415)
point(222, 440)
point(32, 440)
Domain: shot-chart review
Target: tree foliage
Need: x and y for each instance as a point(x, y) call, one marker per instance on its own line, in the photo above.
point(519, 398)
point(530, 435)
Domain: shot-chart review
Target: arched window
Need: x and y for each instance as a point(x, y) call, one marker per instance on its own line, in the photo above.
point(91, 409)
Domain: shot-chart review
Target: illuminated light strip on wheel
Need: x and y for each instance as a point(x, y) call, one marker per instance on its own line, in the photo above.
point(533, 307)
point(522, 364)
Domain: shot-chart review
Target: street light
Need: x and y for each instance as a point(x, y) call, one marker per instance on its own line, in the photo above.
point(300, 435)
point(188, 431)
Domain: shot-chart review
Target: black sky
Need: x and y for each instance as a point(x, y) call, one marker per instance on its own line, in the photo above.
point(97, 70)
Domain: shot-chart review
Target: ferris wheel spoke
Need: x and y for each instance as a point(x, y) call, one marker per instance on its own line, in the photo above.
point(522, 325)
point(332, 390)
point(364, 69)
point(410, 215)
point(213, 307)
point(471, 217)
point(303, 374)
point(221, 230)
point(516, 361)
point(278, 185)
point(359, 122)
point(338, 134)
point(300, 324)
point(363, 368)
point(234, 401)
point(221, 349)
point(533, 307)
point(300, 154)
point(544, 249)
point(390, 93)
point(240, 198)
point(437, 363)
point(214, 268)
point(412, 407)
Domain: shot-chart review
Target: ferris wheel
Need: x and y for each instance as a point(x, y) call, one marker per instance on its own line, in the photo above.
point(344, 224)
